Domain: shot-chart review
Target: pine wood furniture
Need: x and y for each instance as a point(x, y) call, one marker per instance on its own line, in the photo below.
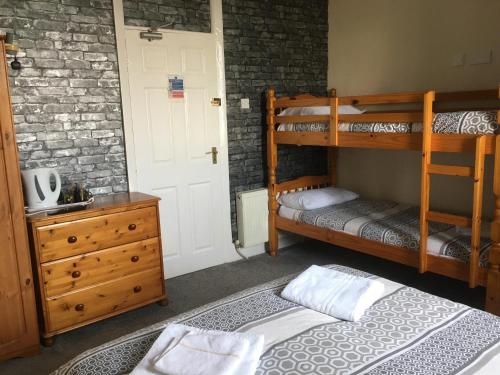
point(18, 327)
point(412, 107)
point(98, 262)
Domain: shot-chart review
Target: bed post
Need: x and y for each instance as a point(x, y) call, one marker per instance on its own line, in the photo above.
point(334, 118)
point(493, 286)
point(428, 115)
point(332, 153)
point(272, 161)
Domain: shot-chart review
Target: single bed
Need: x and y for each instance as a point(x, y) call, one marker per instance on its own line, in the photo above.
point(460, 122)
point(392, 224)
point(407, 331)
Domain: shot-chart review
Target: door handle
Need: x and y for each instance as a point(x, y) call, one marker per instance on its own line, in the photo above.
point(214, 153)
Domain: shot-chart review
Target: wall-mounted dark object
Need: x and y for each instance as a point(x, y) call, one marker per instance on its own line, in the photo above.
point(9, 38)
point(15, 65)
point(12, 49)
point(153, 33)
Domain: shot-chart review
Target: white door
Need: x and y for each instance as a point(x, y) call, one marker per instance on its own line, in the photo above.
point(172, 140)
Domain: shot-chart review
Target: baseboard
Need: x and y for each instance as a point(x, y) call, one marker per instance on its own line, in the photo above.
point(284, 240)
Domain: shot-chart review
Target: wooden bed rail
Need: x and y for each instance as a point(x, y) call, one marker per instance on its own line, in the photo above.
point(460, 96)
point(298, 184)
point(377, 99)
point(307, 100)
point(304, 182)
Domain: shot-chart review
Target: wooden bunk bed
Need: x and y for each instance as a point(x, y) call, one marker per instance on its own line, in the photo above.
point(418, 107)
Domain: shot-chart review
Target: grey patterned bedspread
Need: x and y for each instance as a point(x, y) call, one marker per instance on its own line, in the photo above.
point(405, 332)
point(468, 122)
point(393, 224)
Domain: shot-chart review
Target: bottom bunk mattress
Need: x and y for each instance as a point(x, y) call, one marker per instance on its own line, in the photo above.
point(463, 122)
point(406, 331)
point(393, 224)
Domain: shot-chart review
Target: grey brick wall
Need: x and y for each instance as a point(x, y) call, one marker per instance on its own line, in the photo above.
point(279, 43)
point(191, 15)
point(66, 99)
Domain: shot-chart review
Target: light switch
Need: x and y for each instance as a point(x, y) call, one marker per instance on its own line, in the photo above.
point(458, 59)
point(245, 103)
point(480, 57)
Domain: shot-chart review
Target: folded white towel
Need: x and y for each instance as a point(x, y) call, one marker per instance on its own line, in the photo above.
point(334, 293)
point(183, 350)
point(203, 353)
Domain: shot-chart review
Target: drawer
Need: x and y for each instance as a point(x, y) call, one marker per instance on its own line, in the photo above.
point(96, 233)
point(70, 274)
point(103, 300)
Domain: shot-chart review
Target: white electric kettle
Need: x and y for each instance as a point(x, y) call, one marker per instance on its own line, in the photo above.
point(38, 191)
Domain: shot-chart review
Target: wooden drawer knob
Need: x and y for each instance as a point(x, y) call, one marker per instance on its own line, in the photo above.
point(72, 239)
point(79, 307)
point(137, 289)
point(75, 274)
point(132, 226)
point(135, 258)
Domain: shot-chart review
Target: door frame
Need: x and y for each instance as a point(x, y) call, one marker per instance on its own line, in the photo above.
point(217, 31)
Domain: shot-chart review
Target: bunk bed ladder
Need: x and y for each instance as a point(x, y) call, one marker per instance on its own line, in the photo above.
point(426, 215)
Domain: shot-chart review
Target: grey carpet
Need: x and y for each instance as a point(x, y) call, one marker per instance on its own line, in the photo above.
point(198, 288)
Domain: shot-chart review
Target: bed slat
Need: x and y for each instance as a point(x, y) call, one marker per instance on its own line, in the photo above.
point(441, 217)
point(309, 102)
point(297, 119)
point(451, 170)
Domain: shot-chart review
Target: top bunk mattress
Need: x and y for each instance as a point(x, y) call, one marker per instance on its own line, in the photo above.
point(392, 224)
point(463, 122)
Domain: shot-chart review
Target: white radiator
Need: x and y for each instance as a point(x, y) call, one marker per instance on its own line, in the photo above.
point(251, 211)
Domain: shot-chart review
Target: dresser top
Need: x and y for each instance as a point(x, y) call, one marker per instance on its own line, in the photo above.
point(102, 205)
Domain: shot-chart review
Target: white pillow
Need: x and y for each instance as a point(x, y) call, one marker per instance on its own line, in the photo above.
point(316, 198)
point(350, 110)
point(321, 111)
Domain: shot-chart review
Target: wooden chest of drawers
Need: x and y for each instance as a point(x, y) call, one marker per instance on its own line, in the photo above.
point(98, 262)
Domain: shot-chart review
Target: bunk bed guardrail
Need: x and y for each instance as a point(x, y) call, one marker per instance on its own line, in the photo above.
point(385, 108)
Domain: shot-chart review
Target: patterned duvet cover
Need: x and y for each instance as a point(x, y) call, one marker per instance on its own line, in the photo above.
point(469, 122)
point(405, 332)
point(393, 224)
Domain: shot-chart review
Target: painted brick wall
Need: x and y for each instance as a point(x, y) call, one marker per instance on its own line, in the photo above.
point(191, 15)
point(279, 43)
point(67, 102)
point(66, 99)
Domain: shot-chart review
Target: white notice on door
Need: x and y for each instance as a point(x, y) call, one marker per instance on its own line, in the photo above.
point(176, 87)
